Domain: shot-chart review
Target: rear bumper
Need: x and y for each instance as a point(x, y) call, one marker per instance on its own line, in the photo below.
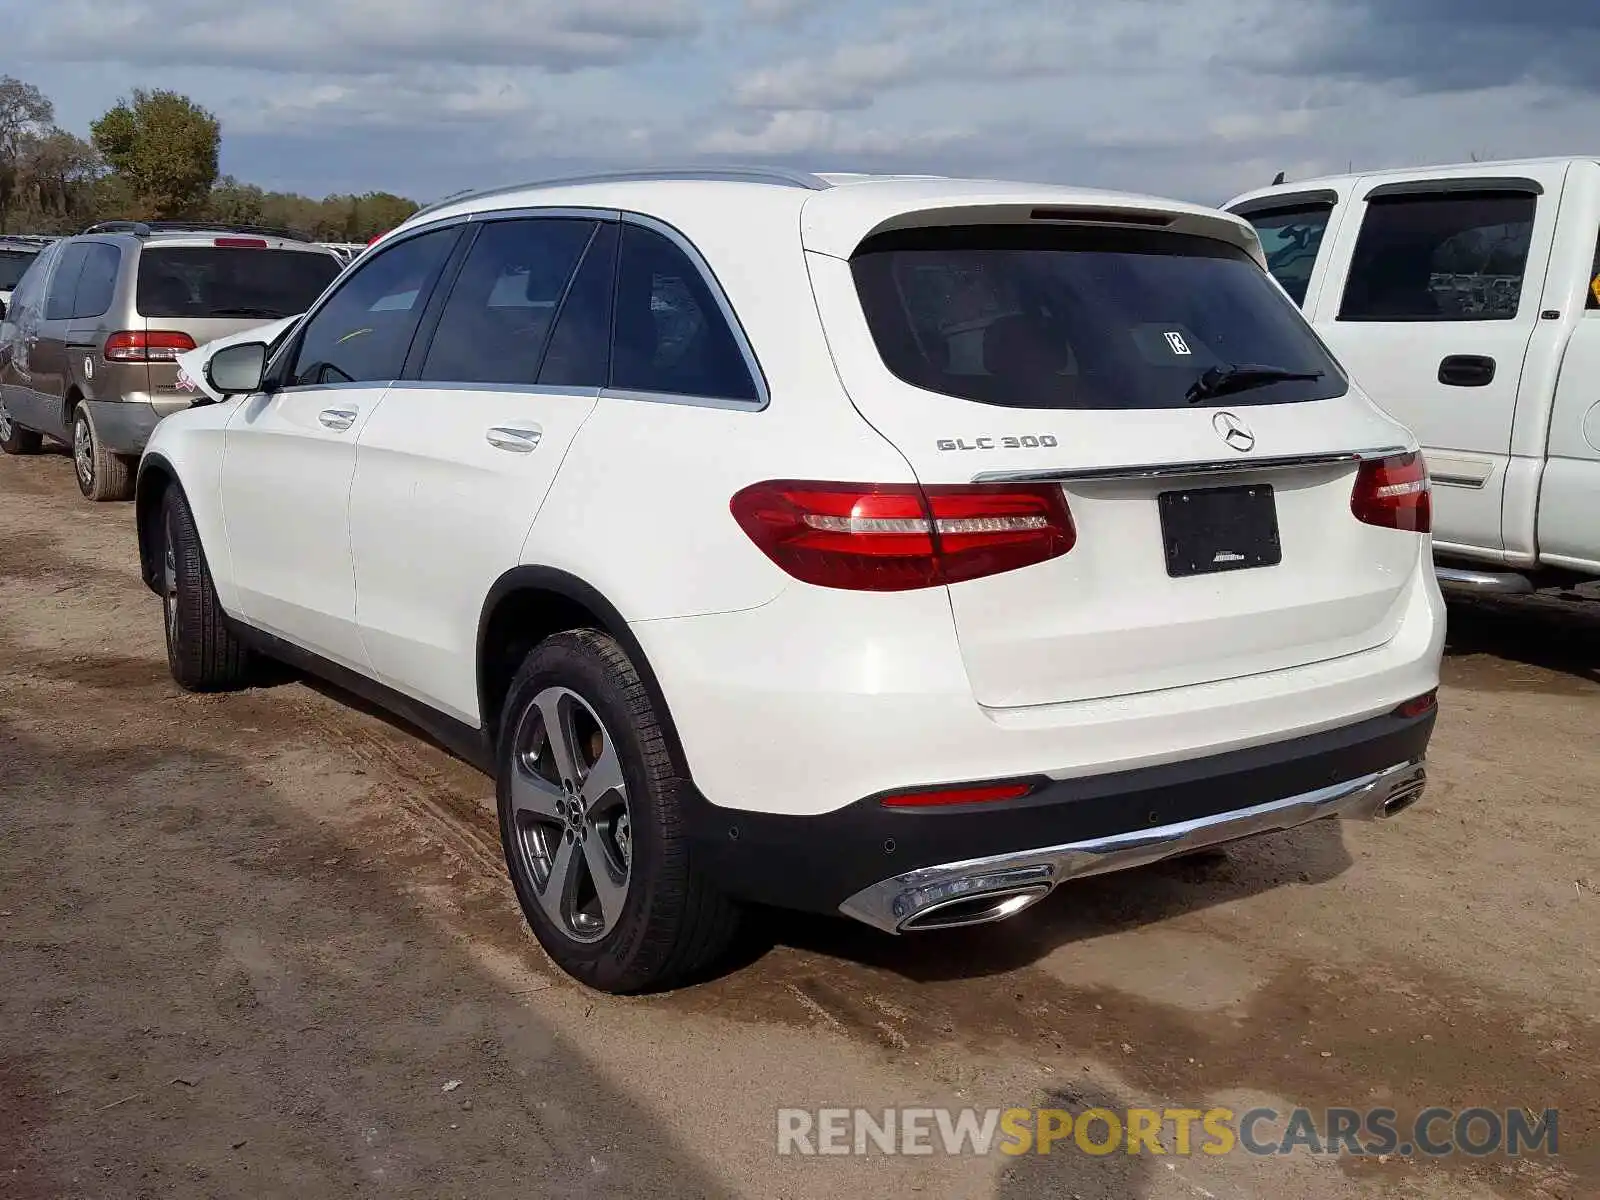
point(123, 426)
point(897, 868)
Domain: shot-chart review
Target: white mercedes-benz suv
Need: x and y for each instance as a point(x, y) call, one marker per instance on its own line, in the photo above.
point(894, 547)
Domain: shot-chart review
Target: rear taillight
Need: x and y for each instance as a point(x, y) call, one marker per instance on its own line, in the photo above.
point(1393, 492)
point(892, 537)
point(136, 345)
point(1418, 705)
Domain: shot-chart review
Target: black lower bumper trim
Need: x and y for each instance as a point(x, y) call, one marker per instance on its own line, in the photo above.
point(815, 863)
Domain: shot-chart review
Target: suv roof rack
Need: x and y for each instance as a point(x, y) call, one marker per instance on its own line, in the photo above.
point(780, 176)
point(146, 228)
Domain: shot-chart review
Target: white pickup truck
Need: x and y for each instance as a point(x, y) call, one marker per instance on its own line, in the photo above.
point(1466, 301)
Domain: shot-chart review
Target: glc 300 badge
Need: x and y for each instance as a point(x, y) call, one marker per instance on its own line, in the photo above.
point(1026, 442)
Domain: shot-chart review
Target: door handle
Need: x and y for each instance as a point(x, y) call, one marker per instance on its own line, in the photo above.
point(518, 441)
point(338, 419)
point(1467, 370)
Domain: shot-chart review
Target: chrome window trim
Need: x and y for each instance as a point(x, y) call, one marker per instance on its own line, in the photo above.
point(1218, 466)
point(519, 389)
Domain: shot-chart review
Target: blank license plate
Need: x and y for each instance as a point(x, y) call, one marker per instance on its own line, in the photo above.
point(1219, 529)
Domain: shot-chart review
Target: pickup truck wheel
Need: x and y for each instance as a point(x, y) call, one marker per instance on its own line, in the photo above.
point(102, 475)
point(14, 439)
point(591, 822)
point(202, 652)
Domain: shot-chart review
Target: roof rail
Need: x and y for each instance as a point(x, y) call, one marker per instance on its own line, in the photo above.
point(780, 176)
point(146, 228)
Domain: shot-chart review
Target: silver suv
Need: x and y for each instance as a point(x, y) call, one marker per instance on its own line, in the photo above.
point(90, 340)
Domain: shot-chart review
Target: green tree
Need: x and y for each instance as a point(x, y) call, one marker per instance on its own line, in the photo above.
point(163, 147)
point(58, 183)
point(25, 115)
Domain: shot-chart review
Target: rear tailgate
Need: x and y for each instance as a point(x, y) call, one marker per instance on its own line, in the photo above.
point(1064, 353)
point(216, 287)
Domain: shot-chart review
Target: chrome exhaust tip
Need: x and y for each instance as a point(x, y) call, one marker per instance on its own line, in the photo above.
point(974, 910)
point(1403, 797)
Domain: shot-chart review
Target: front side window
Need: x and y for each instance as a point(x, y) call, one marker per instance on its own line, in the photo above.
point(363, 332)
point(1291, 239)
point(495, 325)
point(669, 333)
point(1445, 256)
point(1078, 317)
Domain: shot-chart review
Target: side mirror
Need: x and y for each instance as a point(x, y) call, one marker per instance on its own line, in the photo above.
point(237, 370)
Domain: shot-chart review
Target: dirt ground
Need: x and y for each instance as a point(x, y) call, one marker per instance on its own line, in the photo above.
point(249, 943)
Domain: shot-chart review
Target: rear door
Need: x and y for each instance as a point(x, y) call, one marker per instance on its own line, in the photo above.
point(1068, 353)
point(452, 467)
point(1440, 297)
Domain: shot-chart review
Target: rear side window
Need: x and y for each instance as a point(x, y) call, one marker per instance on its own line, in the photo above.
point(221, 281)
point(363, 333)
point(670, 336)
point(495, 325)
point(580, 348)
point(64, 283)
point(13, 264)
point(1447, 256)
point(1291, 239)
point(97, 282)
point(1073, 317)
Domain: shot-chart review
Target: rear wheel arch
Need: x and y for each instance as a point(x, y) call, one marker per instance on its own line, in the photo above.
point(530, 603)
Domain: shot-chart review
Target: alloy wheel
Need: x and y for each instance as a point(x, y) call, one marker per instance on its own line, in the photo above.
point(169, 577)
point(83, 450)
point(573, 835)
point(6, 428)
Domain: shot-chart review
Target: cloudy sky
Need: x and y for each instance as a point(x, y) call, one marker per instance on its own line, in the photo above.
point(1195, 98)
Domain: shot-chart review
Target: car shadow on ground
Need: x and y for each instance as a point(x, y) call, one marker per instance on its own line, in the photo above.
point(1561, 636)
point(1076, 911)
point(1081, 910)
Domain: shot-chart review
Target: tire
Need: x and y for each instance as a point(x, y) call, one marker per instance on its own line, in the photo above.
point(101, 474)
point(202, 652)
point(14, 439)
point(668, 924)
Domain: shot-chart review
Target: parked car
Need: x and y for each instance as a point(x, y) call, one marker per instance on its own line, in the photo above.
point(899, 548)
point(17, 253)
point(1466, 301)
point(88, 351)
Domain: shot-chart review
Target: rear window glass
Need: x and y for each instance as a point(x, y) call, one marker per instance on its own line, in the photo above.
point(1291, 239)
point(208, 281)
point(12, 264)
point(1082, 318)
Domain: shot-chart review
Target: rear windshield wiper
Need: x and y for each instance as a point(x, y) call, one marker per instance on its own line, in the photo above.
point(246, 312)
point(1224, 381)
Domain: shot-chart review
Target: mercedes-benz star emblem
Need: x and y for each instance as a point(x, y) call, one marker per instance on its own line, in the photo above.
point(1234, 431)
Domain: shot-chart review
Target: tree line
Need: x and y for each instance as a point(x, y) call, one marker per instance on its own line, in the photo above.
point(152, 157)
